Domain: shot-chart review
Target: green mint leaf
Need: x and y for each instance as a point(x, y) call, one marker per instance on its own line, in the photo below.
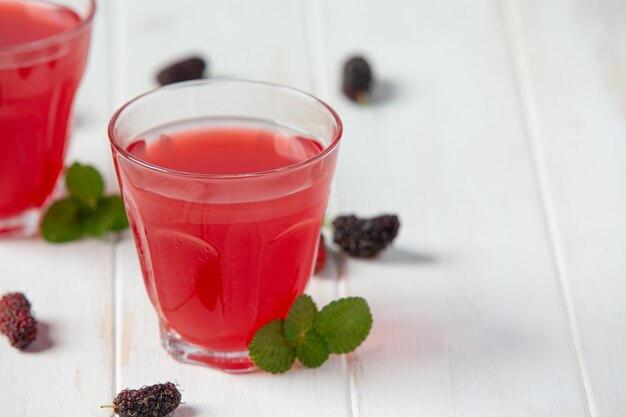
point(344, 324)
point(96, 221)
point(62, 222)
point(270, 350)
point(108, 215)
point(300, 318)
point(115, 207)
point(84, 183)
point(312, 351)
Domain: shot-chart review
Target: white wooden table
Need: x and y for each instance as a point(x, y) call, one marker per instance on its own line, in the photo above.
point(499, 139)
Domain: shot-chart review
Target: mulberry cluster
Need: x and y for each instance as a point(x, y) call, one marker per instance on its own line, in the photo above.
point(152, 401)
point(16, 320)
point(365, 238)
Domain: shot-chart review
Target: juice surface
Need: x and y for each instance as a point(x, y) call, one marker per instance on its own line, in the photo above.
point(226, 150)
point(215, 269)
point(36, 92)
point(24, 21)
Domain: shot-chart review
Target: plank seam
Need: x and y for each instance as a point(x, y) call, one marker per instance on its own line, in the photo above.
point(319, 85)
point(108, 32)
point(350, 358)
point(520, 67)
point(314, 38)
point(117, 296)
point(116, 39)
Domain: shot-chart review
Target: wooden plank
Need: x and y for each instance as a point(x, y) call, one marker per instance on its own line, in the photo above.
point(93, 105)
point(244, 40)
point(239, 39)
point(571, 62)
point(468, 310)
point(68, 369)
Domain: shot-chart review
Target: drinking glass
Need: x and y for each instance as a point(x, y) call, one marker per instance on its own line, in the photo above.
point(222, 254)
point(38, 80)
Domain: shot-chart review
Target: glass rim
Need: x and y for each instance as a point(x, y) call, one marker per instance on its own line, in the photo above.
point(188, 84)
point(56, 38)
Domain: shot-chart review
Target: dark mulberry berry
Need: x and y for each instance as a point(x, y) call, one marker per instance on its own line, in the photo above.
point(357, 79)
point(365, 238)
point(185, 70)
point(320, 261)
point(154, 401)
point(16, 320)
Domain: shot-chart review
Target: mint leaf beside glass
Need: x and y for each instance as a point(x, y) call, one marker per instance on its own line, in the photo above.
point(270, 350)
point(84, 183)
point(87, 211)
point(300, 318)
point(61, 223)
point(309, 335)
point(344, 324)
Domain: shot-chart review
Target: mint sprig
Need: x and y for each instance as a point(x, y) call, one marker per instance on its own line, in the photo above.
point(344, 324)
point(312, 351)
point(300, 318)
point(60, 221)
point(309, 335)
point(84, 183)
point(86, 211)
point(270, 350)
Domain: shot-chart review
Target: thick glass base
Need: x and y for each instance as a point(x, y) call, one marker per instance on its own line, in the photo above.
point(232, 362)
point(23, 225)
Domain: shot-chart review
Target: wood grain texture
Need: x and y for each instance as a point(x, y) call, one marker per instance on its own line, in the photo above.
point(93, 106)
point(239, 39)
point(572, 65)
point(468, 313)
point(67, 370)
point(496, 131)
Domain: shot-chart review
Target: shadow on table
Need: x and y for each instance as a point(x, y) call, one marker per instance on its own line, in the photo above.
point(396, 255)
point(382, 92)
point(43, 340)
point(185, 411)
point(391, 256)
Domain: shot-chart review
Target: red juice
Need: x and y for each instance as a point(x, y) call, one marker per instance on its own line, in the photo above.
point(43, 49)
point(223, 254)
